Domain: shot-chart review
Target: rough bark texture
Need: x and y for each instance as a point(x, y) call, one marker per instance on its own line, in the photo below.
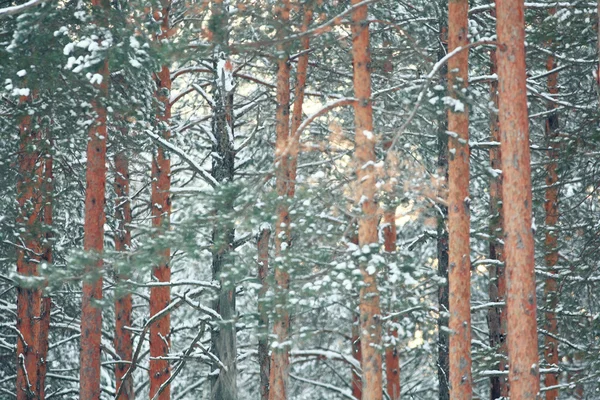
point(551, 239)
point(223, 336)
point(280, 359)
point(29, 200)
point(370, 318)
point(93, 243)
point(301, 71)
point(497, 286)
point(392, 352)
point(44, 325)
point(443, 362)
point(123, 302)
point(459, 273)
point(516, 194)
point(160, 297)
point(263, 316)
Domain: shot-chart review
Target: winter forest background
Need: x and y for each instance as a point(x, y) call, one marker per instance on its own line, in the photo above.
point(212, 199)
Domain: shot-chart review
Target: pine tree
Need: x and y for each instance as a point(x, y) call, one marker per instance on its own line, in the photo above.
point(459, 258)
point(160, 296)
point(517, 202)
point(370, 312)
point(93, 241)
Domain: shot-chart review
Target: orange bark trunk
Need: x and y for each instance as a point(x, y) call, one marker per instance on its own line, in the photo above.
point(459, 272)
point(263, 341)
point(516, 194)
point(370, 312)
point(551, 240)
point(93, 243)
point(497, 288)
point(298, 103)
point(280, 359)
point(160, 297)
point(123, 303)
point(29, 199)
point(392, 355)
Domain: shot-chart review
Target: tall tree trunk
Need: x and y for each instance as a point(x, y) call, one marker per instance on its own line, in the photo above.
point(263, 316)
point(301, 72)
point(29, 200)
point(516, 194)
point(459, 276)
point(44, 325)
point(551, 242)
point(443, 362)
point(93, 239)
point(370, 312)
point(280, 359)
point(160, 296)
point(497, 286)
point(223, 336)
point(123, 302)
point(392, 356)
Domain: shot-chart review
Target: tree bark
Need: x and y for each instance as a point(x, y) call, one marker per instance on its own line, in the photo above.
point(301, 72)
point(443, 362)
point(29, 205)
point(263, 316)
point(497, 286)
point(370, 312)
point(551, 239)
point(160, 296)
point(123, 302)
point(459, 276)
point(280, 360)
point(392, 355)
point(223, 336)
point(44, 325)
point(93, 239)
point(516, 194)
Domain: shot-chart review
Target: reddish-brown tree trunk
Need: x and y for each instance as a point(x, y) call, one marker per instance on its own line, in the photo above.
point(29, 199)
point(93, 243)
point(123, 302)
point(160, 296)
point(44, 325)
point(459, 276)
point(392, 356)
point(551, 240)
point(370, 312)
point(516, 195)
point(497, 287)
point(263, 316)
point(294, 142)
point(280, 359)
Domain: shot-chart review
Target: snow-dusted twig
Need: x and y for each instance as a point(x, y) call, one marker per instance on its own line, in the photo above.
point(181, 364)
point(208, 178)
point(20, 8)
point(344, 392)
point(436, 67)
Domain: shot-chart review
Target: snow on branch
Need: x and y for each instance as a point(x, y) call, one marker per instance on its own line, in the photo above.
point(344, 392)
point(20, 8)
point(171, 147)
